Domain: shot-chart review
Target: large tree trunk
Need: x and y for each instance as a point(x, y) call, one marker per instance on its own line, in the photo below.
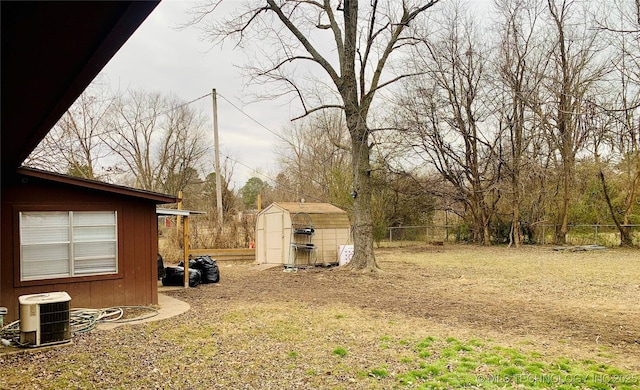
point(625, 232)
point(355, 111)
point(486, 235)
point(363, 257)
point(515, 236)
point(481, 222)
point(561, 236)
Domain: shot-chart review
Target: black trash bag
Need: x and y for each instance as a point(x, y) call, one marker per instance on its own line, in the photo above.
point(207, 267)
point(195, 277)
point(175, 277)
point(192, 264)
point(161, 271)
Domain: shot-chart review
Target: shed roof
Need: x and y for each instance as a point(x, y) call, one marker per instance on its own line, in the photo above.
point(310, 208)
point(322, 215)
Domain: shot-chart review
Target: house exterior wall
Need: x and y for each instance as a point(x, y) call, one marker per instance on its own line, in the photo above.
point(136, 280)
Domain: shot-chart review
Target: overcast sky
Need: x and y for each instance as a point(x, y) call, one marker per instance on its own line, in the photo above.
point(161, 58)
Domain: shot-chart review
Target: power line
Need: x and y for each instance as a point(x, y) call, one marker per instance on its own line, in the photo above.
point(149, 118)
point(290, 190)
point(171, 109)
point(254, 120)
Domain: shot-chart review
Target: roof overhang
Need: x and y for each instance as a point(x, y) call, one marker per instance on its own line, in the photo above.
point(156, 197)
point(308, 207)
point(180, 213)
point(51, 51)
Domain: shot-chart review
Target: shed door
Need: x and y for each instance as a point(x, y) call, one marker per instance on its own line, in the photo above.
point(274, 238)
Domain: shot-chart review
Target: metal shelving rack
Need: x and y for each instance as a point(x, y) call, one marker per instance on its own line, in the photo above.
point(302, 246)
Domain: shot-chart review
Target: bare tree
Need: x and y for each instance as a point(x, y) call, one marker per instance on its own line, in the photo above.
point(159, 140)
point(521, 67)
point(351, 48)
point(182, 148)
point(131, 136)
point(73, 145)
point(575, 70)
point(207, 200)
point(614, 120)
point(314, 153)
point(445, 114)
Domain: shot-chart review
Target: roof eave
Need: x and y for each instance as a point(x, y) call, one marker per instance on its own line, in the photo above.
point(156, 197)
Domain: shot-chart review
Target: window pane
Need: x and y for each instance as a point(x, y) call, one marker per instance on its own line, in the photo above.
point(95, 266)
point(95, 246)
point(45, 234)
point(93, 218)
point(48, 260)
point(95, 257)
point(94, 233)
point(46, 241)
point(39, 227)
point(94, 249)
point(38, 218)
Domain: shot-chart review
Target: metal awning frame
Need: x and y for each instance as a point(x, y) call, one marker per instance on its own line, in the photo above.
point(184, 214)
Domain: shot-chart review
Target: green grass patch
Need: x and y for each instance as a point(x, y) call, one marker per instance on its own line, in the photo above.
point(451, 363)
point(379, 373)
point(340, 352)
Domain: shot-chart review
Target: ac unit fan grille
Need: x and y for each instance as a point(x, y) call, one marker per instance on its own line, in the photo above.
point(54, 322)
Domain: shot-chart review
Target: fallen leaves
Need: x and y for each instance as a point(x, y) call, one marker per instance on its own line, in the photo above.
point(274, 330)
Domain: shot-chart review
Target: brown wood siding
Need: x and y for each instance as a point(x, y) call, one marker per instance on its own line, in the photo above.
point(129, 267)
point(136, 282)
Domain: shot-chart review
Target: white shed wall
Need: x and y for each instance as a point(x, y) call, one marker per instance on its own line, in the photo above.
point(273, 238)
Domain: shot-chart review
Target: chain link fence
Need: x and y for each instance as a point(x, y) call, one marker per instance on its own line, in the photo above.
point(604, 235)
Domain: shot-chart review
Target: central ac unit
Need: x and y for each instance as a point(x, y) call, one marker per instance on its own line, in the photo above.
point(44, 319)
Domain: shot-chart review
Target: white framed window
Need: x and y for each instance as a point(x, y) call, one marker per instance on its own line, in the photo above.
point(61, 244)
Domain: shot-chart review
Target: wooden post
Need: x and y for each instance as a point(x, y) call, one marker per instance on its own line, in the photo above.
point(179, 218)
point(185, 243)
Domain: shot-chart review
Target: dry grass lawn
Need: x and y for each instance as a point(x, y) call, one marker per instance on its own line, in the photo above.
point(437, 317)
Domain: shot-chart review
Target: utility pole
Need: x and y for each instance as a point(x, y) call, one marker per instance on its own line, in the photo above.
point(217, 155)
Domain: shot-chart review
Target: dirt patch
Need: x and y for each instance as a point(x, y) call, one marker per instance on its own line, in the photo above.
point(267, 328)
point(558, 301)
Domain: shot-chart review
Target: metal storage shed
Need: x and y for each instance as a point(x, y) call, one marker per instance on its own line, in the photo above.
point(301, 234)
